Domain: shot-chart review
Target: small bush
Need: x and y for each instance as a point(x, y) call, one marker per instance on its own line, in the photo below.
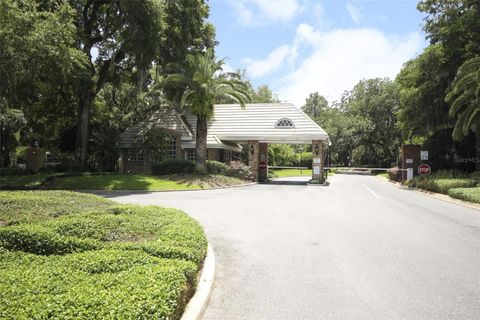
point(215, 167)
point(173, 166)
point(238, 169)
point(394, 174)
point(15, 172)
point(466, 194)
point(441, 185)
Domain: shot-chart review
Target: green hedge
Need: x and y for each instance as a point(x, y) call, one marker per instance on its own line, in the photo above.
point(466, 194)
point(216, 167)
point(441, 185)
point(173, 166)
point(104, 284)
point(33, 206)
point(95, 259)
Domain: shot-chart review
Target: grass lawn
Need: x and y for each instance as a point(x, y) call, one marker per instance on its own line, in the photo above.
point(291, 172)
point(123, 182)
point(144, 182)
point(65, 255)
point(28, 181)
point(383, 175)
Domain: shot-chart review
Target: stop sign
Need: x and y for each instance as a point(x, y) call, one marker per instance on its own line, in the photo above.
point(262, 166)
point(424, 169)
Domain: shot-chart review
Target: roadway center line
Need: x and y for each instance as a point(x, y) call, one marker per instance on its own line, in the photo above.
point(371, 191)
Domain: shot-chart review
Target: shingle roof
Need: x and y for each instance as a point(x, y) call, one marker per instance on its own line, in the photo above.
point(231, 125)
point(258, 122)
point(165, 118)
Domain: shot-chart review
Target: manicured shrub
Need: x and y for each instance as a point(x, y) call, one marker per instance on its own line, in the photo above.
point(97, 260)
point(173, 166)
point(441, 185)
point(215, 167)
point(105, 284)
point(239, 170)
point(466, 194)
point(41, 240)
point(33, 206)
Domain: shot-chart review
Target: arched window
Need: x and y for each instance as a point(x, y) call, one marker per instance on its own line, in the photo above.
point(285, 123)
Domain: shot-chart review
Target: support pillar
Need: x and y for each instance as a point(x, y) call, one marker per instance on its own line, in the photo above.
point(263, 162)
point(318, 160)
point(253, 152)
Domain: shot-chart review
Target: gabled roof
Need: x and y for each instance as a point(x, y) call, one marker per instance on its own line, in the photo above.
point(165, 118)
point(258, 122)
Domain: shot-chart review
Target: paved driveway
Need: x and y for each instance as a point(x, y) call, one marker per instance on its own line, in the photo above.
point(360, 248)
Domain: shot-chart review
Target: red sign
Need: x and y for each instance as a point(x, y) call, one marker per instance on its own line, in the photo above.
point(262, 166)
point(424, 169)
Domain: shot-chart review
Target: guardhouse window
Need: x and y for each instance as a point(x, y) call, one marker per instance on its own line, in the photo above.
point(172, 147)
point(285, 123)
point(190, 154)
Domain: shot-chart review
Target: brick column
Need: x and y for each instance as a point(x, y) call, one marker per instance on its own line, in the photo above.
point(318, 159)
point(410, 159)
point(212, 154)
point(253, 152)
point(263, 159)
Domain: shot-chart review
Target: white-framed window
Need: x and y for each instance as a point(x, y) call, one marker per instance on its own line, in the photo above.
point(172, 147)
point(190, 154)
point(135, 155)
point(284, 123)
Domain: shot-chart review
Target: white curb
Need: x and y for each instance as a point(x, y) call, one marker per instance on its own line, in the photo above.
point(196, 307)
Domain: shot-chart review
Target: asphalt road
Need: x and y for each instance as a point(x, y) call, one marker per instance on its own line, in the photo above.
point(360, 248)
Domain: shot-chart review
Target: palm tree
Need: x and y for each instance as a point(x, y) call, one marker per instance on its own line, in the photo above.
point(204, 85)
point(465, 102)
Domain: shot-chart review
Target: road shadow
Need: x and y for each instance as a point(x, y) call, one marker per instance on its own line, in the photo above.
point(287, 182)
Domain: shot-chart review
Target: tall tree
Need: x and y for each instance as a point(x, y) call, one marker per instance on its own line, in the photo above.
point(114, 35)
point(204, 87)
point(39, 69)
point(188, 32)
point(422, 83)
point(465, 102)
point(315, 105)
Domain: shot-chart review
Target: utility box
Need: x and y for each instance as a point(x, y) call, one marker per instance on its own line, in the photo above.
point(35, 159)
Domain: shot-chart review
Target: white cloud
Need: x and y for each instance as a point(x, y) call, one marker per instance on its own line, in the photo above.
point(354, 13)
point(338, 59)
point(258, 68)
point(254, 12)
point(227, 68)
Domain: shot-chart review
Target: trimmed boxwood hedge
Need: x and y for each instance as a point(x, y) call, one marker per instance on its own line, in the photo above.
point(441, 185)
point(105, 284)
point(100, 260)
point(173, 166)
point(466, 194)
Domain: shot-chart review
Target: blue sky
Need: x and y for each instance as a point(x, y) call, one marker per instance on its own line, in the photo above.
point(302, 46)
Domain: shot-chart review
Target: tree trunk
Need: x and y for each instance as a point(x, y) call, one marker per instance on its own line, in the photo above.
point(201, 146)
point(85, 103)
point(477, 149)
